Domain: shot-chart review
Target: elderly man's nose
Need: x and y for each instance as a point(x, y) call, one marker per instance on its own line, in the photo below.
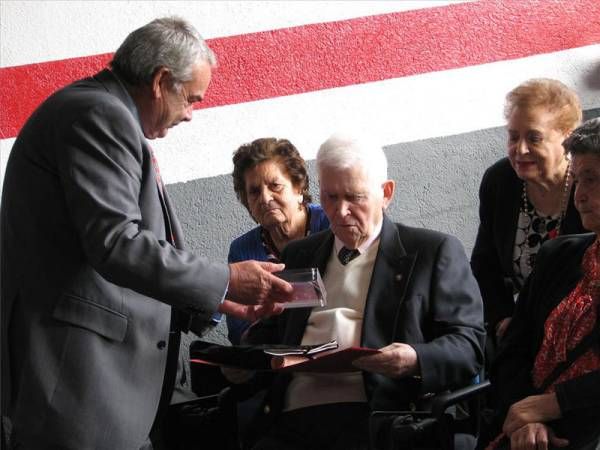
point(343, 209)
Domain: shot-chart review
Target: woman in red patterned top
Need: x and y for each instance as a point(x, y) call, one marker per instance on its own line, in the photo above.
point(547, 374)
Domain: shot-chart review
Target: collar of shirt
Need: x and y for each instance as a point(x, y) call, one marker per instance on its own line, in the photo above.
point(365, 245)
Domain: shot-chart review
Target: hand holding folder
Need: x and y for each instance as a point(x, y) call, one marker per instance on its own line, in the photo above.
point(314, 358)
point(329, 362)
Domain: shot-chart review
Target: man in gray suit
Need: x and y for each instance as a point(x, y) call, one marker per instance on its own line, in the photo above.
point(96, 284)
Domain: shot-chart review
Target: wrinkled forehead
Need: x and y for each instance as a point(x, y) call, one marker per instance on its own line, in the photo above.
point(346, 180)
point(336, 173)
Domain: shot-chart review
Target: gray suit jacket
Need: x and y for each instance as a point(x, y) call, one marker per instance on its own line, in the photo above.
point(88, 275)
point(422, 293)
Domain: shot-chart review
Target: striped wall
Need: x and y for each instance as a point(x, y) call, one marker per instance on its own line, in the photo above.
point(425, 79)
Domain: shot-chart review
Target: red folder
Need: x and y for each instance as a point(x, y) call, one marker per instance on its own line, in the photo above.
point(327, 361)
point(331, 361)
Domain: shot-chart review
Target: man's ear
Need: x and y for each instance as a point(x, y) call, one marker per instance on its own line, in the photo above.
point(159, 79)
point(388, 186)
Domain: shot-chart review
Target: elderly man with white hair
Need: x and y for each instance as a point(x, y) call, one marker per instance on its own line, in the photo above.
point(406, 291)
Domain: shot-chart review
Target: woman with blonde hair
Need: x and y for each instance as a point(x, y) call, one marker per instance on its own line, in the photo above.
point(526, 198)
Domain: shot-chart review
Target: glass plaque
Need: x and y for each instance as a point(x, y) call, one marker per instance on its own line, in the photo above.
point(308, 288)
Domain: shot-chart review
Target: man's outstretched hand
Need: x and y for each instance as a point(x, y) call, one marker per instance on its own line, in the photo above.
point(253, 283)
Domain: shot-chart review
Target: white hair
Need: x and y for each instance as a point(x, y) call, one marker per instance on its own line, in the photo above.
point(341, 152)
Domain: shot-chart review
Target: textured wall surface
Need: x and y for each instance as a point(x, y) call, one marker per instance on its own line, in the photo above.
point(425, 79)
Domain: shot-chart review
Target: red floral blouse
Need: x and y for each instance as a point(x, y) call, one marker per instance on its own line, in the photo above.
point(572, 319)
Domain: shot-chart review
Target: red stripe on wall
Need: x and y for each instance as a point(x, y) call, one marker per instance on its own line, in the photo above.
point(320, 56)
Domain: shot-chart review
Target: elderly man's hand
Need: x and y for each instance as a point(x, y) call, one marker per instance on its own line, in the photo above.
point(395, 360)
point(535, 436)
point(252, 283)
point(536, 408)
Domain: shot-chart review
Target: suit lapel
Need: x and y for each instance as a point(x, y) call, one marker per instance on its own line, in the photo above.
point(111, 82)
point(556, 289)
point(297, 318)
point(391, 275)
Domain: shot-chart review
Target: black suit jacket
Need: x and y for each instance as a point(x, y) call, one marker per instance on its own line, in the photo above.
point(492, 258)
point(556, 273)
point(89, 277)
point(421, 293)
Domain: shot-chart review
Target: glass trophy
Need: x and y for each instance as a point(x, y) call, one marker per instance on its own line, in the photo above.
point(309, 290)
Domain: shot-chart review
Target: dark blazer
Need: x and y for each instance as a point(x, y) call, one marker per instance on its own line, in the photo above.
point(492, 258)
point(557, 271)
point(421, 293)
point(88, 275)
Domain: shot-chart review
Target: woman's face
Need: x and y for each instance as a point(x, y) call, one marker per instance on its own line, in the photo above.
point(586, 175)
point(535, 146)
point(272, 198)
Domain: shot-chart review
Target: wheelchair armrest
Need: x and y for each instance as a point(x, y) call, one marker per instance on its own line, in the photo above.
point(400, 429)
point(441, 402)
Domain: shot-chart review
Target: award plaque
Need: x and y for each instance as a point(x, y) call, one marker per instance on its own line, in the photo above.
point(309, 290)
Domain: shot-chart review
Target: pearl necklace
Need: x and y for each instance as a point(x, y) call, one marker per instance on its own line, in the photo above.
point(563, 209)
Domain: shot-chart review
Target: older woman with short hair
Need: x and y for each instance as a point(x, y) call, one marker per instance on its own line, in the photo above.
point(525, 198)
point(271, 180)
point(547, 374)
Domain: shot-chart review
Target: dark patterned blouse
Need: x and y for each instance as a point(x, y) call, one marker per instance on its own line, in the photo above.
point(532, 231)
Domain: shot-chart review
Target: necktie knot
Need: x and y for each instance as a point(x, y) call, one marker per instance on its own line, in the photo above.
point(346, 255)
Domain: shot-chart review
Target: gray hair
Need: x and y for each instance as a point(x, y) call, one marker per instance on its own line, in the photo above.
point(585, 139)
point(343, 152)
point(169, 42)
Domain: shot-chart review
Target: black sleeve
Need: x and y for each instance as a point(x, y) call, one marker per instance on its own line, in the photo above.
point(456, 351)
point(511, 370)
point(579, 393)
point(498, 301)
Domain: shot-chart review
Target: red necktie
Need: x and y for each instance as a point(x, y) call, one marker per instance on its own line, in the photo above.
point(161, 193)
